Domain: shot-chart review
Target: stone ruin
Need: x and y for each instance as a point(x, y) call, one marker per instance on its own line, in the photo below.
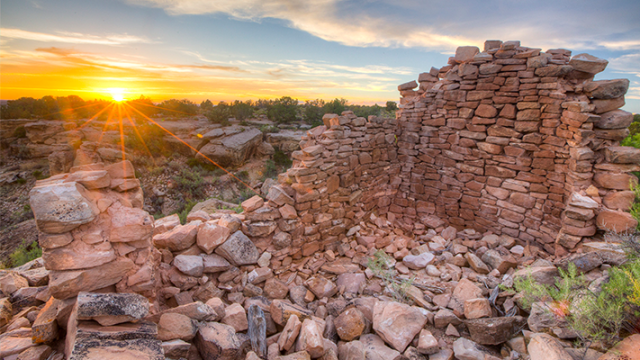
point(502, 159)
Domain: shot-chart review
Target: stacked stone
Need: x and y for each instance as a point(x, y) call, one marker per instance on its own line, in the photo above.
point(498, 140)
point(340, 173)
point(93, 231)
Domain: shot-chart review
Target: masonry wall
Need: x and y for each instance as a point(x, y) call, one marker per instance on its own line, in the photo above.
point(510, 140)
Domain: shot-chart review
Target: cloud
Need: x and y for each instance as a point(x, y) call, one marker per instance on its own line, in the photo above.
point(74, 38)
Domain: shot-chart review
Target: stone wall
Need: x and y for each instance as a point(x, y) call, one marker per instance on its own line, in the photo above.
point(93, 231)
point(511, 140)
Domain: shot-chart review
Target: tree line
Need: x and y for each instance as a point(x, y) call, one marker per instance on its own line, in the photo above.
point(282, 110)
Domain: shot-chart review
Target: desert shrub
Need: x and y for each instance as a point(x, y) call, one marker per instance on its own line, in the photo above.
point(282, 159)
point(184, 210)
point(25, 253)
point(219, 114)
point(20, 132)
point(592, 315)
point(381, 265)
point(266, 129)
point(190, 182)
point(39, 175)
point(270, 170)
point(175, 107)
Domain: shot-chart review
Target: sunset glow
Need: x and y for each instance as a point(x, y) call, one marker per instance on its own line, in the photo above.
point(358, 51)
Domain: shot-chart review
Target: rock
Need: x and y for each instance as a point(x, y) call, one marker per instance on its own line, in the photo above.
point(545, 347)
point(78, 255)
point(91, 180)
point(494, 331)
point(89, 340)
point(198, 215)
point(626, 349)
point(233, 150)
point(192, 265)
point(300, 355)
point(445, 317)
point(111, 309)
point(66, 284)
point(289, 334)
point(616, 221)
point(541, 317)
point(397, 324)
point(275, 289)
point(582, 201)
point(215, 263)
point(129, 224)
point(217, 341)
point(477, 308)
point(588, 63)
point(252, 204)
point(257, 330)
point(5, 311)
point(584, 262)
point(619, 200)
point(417, 262)
point(350, 324)
point(466, 53)
point(544, 274)
point(477, 264)
point(179, 238)
point(121, 170)
point(606, 89)
point(165, 224)
point(174, 326)
point(351, 282)
point(444, 354)
point(236, 317)
point(195, 310)
point(500, 262)
point(239, 250)
point(465, 290)
point(61, 207)
point(615, 119)
point(465, 349)
point(259, 229)
point(15, 342)
point(321, 287)
point(210, 236)
point(310, 339)
point(282, 310)
point(40, 352)
point(45, 327)
point(10, 282)
point(622, 155)
point(176, 349)
point(427, 343)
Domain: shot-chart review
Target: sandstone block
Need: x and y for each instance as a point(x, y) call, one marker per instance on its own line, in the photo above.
point(59, 208)
point(239, 250)
point(397, 323)
point(111, 309)
point(211, 235)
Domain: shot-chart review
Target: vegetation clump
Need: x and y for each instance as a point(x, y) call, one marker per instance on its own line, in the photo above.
point(25, 253)
point(382, 265)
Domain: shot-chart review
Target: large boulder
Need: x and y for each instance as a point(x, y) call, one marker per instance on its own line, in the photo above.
point(61, 207)
point(233, 150)
point(397, 324)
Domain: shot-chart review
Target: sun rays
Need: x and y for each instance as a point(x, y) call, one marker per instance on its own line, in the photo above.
point(120, 109)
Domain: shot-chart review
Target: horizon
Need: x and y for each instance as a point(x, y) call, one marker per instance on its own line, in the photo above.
point(228, 50)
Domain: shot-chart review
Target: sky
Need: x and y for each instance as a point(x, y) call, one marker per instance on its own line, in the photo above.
point(248, 49)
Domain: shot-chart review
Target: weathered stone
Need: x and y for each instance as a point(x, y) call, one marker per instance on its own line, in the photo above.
point(217, 341)
point(289, 333)
point(15, 342)
point(545, 347)
point(232, 150)
point(615, 181)
point(427, 343)
point(78, 255)
point(214, 263)
point(465, 349)
point(417, 262)
point(282, 310)
point(616, 221)
point(61, 207)
point(477, 308)
point(615, 119)
point(179, 238)
point(606, 89)
point(588, 63)
point(175, 349)
point(626, 349)
point(494, 331)
point(350, 324)
point(129, 224)
point(465, 53)
point(477, 264)
point(397, 323)
point(500, 262)
point(321, 287)
point(173, 326)
point(310, 339)
point(11, 281)
point(252, 204)
point(239, 250)
point(619, 200)
point(66, 284)
point(622, 155)
point(236, 317)
point(111, 309)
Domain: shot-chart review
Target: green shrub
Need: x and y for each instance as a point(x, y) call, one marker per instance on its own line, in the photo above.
point(283, 110)
point(21, 181)
point(266, 129)
point(270, 170)
point(381, 265)
point(184, 210)
point(635, 207)
point(20, 132)
point(25, 253)
point(282, 159)
point(593, 315)
point(191, 183)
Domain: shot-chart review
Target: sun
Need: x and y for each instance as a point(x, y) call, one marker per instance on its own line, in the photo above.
point(117, 94)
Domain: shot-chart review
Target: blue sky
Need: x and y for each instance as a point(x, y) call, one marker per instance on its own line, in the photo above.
point(241, 49)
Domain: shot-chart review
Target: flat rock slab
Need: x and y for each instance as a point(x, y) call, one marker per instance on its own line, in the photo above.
point(66, 284)
point(494, 331)
point(110, 309)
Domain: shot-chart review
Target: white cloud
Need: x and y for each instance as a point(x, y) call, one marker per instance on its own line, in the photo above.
point(74, 38)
